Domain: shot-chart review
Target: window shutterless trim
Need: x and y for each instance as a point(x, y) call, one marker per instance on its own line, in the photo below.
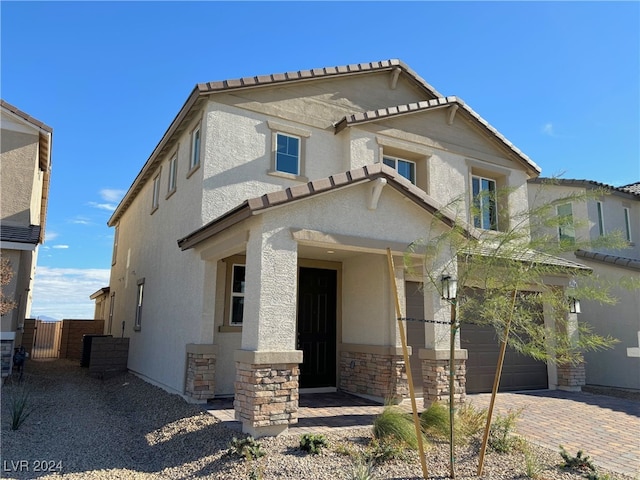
point(195, 156)
point(233, 294)
point(172, 176)
point(493, 203)
point(600, 210)
point(137, 326)
point(302, 135)
point(155, 196)
point(627, 224)
point(566, 231)
point(396, 161)
point(114, 255)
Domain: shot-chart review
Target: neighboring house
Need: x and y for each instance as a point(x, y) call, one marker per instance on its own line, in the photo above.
point(25, 162)
point(619, 210)
point(250, 250)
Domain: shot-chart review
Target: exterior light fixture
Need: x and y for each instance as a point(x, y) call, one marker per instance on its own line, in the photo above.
point(449, 287)
point(574, 305)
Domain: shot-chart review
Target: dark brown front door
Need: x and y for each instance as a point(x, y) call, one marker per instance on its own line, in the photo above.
point(317, 327)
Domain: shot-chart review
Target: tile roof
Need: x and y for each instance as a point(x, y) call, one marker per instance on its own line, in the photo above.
point(25, 116)
point(631, 189)
point(612, 259)
point(257, 205)
point(373, 115)
point(20, 234)
point(202, 90)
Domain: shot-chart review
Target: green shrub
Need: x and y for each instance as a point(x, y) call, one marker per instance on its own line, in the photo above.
point(248, 448)
point(468, 421)
point(580, 463)
point(362, 471)
point(19, 406)
point(435, 420)
point(392, 423)
point(533, 467)
point(501, 434)
point(312, 443)
point(380, 451)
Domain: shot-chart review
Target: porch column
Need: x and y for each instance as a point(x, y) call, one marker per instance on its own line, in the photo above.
point(435, 355)
point(267, 366)
point(571, 377)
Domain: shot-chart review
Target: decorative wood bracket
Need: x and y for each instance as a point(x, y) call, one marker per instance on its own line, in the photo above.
point(395, 74)
point(376, 191)
point(452, 113)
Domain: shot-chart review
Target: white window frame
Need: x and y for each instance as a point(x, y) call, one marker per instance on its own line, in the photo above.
point(395, 161)
point(114, 256)
point(298, 153)
point(196, 148)
point(568, 228)
point(627, 224)
point(137, 326)
point(600, 212)
point(233, 294)
point(155, 199)
point(173, 174)
point(480, 217)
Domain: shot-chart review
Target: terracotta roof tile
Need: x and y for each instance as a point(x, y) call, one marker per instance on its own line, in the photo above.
point(632, 188)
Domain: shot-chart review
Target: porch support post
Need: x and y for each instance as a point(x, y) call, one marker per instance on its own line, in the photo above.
point(435, 355)
point(571, 377)
point(267, 366)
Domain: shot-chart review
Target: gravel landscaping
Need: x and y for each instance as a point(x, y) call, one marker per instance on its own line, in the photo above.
point(123, 427)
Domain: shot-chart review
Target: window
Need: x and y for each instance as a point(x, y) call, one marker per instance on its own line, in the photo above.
point(566, 230)
point(155, 201)
point(237, 294)
point(627, 224)
point(112, 304)
point(485, 208)
point(137, 325)
point(115, 246)
point(287, 154)
point(288, 145)
point(173, 171)
point(194, 161)
point(405, 168)
point(600, 218)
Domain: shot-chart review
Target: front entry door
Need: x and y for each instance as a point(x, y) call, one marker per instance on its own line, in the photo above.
point(317, 327)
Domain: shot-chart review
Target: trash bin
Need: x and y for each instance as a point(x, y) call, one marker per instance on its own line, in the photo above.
point(86, 348)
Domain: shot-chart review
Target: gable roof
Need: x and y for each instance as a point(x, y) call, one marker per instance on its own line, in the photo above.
point(631, 191)
point(437, 103)
point(257, 205)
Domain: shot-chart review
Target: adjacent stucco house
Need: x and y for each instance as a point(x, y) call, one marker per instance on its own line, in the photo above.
point(250, 251)
point(25, 162)
point(619, 210)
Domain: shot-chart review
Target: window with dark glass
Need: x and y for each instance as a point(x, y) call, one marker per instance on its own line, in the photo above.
point(237, 294)
point(485, 214)
point(287, 154)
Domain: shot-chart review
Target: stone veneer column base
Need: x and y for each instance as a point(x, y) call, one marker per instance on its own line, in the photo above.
point(201, 372)
point(571, 377)
point(375, 371)
point(435, 376)
point(266, 391)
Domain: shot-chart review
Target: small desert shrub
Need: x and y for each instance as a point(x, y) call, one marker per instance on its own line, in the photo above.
point(533, 467)
point(19, 406)
point(248, 448)
point(312, 443)
point(392, 423)
point(383, 450)
point(580, 463)
point(501, 435)
point(468, 421)
point(362, 471)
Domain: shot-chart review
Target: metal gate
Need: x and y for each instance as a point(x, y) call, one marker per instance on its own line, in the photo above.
point(46, 340)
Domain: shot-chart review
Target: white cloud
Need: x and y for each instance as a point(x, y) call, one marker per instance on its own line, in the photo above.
point(103, 206)
point(81, 221)
point(61, 247)
point(111, 194)
point(547, 129)
point(50, 235)
point(63, 293)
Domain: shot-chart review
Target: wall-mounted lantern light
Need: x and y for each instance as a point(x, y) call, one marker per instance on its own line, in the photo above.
point(449, 287)
point(574, 305)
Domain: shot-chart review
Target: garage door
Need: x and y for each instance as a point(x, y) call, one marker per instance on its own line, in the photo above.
point(519, 372)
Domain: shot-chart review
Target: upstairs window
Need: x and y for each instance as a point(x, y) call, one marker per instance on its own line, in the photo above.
point(627, 224)
point(112, 305)
point(485, 214)
point(114, 256)
point(600, 218)
point(194, 159)
point(155, 200)
point(566, 229)
point(406, 168)
point(237, 294)
point(173, 171)
point(287, 154)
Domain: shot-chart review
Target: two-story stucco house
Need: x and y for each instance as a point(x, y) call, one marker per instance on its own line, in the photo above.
point(250, 251)
point(25, 163)
point(619, 210)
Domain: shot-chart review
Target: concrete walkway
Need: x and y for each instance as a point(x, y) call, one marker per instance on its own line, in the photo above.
point(605, 428)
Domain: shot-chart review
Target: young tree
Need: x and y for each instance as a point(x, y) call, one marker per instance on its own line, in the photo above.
point(6, 274)
point(509, 276)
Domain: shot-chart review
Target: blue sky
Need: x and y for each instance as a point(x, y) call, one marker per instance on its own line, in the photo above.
point(560, 80)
